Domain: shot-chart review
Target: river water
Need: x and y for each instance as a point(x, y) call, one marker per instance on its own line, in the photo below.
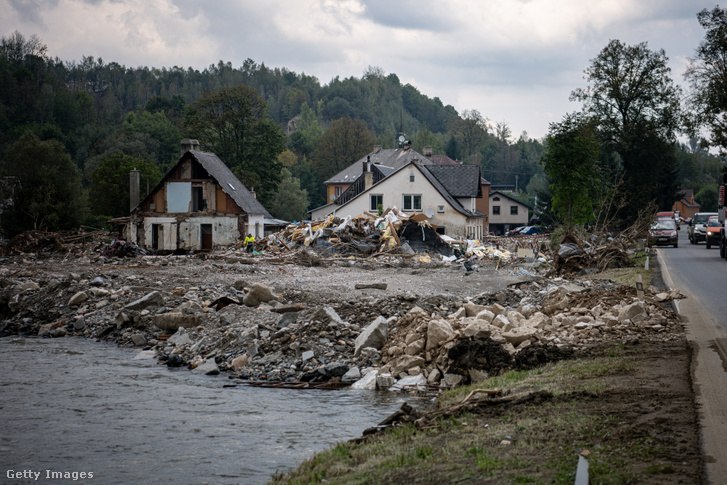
point(77, 406)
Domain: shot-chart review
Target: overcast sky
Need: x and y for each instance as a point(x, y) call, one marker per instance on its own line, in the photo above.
point(512, 60)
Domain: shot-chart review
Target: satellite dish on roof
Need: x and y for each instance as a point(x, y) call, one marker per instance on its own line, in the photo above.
point(429, 212)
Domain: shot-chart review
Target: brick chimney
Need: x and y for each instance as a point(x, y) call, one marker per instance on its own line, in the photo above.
point(377, 148)
point(189, 144)
point(367, 173)
point(427, 151)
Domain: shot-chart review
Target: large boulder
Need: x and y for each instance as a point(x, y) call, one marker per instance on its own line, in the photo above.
point(438, 333)
point(374, 335)
point(632, 311)
point(519, 335)
point(477, 329)
point(208, 367)
point(259, 293)
point(406, 362)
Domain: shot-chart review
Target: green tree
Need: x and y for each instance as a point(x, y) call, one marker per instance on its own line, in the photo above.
point(571, 163)
point(634, 100)
point(235, 125)
point(109, 190)
point(471, 132)
point(159, 128)
point(290, 202)
point(343, 143)
point(49, 195)
point(305, 138)
point(707, 77)
point(707, 198)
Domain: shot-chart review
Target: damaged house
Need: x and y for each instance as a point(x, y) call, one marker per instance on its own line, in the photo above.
point(199, 205)
point(454, 197)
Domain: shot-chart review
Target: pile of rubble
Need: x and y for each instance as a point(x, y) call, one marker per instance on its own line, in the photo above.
point(257, 330)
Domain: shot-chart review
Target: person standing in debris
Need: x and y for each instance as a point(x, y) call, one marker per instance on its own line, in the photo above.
point(249, 242)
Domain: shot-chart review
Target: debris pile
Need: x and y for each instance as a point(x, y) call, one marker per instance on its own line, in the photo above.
point(374, 337)
point(48, 242)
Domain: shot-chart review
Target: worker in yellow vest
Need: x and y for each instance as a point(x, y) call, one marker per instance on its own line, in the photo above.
point(249, 242)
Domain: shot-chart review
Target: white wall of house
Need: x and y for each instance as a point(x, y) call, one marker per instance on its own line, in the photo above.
point(224, 232)
point(323, 212)
point(255, 225)
point(505, 216)
point(168, 239)
point(393, 189)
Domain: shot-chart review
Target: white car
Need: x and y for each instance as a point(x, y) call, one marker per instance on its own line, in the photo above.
point(698, 227)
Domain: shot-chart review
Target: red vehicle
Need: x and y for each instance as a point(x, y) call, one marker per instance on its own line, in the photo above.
point(668, 215)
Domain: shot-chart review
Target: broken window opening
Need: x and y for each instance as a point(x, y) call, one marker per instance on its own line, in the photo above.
point(198, 201)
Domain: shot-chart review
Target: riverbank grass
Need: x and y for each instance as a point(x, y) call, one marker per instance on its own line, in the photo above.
point(523, 443)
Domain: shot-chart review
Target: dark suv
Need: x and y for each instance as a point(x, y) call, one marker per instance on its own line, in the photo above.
point(698, 226)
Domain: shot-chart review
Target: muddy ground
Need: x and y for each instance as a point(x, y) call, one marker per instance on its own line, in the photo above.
point(649, 401)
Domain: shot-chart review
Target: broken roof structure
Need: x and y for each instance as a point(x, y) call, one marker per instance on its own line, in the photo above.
point(198, 205)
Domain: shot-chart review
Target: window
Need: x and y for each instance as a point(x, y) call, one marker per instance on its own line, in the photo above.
point(412, 202)
point(376, 200)
point(496, 210)
point(198, 201)
point(513, 210)
point(411, 178)
point(440, 208)
point(339, 191)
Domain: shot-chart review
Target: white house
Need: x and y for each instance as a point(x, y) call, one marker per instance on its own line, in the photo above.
point(506, 213)
point(448, 194)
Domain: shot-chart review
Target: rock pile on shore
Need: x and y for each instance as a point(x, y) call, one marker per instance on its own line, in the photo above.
point(275, 324)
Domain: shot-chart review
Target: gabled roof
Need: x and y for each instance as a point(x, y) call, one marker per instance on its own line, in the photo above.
point(230, 184)
point(498, 193)
point(443, 160)
point(458, 180)
point(433, 181)
point(386, 159)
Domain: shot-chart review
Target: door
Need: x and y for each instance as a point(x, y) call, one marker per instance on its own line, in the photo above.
point(157, 236)
point(206, 235)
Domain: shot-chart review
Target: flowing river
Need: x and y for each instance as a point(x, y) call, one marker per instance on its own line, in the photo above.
point(71, 408)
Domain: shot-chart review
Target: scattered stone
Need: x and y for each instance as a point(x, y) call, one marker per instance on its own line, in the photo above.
point(208, 367)
point(152, 299)
point(78, 298)
point(259, 293)
point(174, 320)
point(374, 335)
point(375, 286)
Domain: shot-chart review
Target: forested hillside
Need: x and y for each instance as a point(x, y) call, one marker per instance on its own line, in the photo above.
point(106, 118)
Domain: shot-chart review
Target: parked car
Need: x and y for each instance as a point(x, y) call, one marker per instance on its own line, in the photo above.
point(531, 230)
point(517, 230)
point(714, 231)
point(663, 232)
point(698, 226)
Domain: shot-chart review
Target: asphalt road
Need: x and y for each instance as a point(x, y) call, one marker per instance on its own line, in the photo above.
point(700, 271)
point(701, 275)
